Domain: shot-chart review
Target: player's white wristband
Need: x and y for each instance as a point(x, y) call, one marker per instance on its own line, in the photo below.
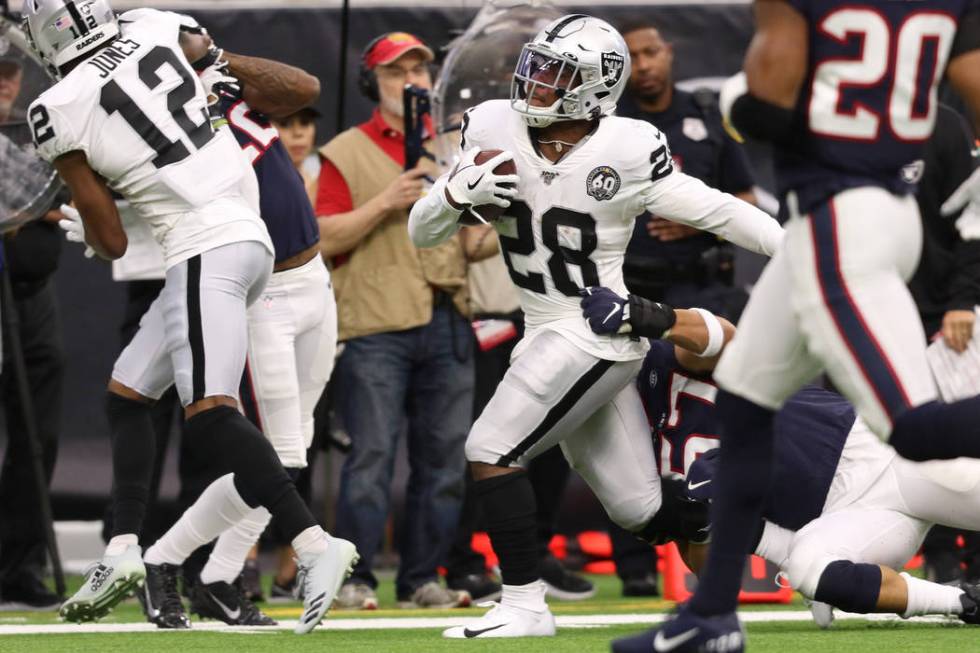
point(716, 335)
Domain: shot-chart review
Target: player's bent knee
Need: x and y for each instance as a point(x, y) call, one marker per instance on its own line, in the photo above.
point(850, 586)
point(635, 514)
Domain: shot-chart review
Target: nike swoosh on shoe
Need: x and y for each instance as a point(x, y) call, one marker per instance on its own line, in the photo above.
point(662, 644)
point(477, 633)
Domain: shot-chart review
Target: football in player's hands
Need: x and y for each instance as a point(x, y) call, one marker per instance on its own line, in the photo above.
point(468, 181)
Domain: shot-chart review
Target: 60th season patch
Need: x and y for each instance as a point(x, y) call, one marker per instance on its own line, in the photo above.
point(602, 183)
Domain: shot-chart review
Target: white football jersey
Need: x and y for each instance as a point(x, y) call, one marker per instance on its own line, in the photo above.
point(569, 226)
point(139, 113)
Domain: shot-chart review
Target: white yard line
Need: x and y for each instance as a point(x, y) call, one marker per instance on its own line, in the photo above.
point(567, 621)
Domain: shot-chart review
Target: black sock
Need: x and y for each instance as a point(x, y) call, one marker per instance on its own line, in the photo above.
point(937, 431)
point(741, 485)
point(225, 434)
point(509, 507)
point(133, 453)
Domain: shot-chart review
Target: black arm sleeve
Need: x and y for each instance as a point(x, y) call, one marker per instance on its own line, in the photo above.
point(954, 145)
point(650, 319)
point(766, 122)
point(965, 285)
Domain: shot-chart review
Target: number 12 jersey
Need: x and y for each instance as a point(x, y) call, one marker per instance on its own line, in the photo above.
point(139, 113)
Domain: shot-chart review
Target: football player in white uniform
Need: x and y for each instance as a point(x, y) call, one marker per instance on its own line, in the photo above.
point(582, 177)
point(130, 114)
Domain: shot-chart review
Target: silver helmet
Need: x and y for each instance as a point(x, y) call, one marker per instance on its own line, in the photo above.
point(64, 30)
point(582, 59)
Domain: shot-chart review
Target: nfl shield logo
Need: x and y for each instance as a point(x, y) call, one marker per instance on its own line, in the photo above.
point(612, 67)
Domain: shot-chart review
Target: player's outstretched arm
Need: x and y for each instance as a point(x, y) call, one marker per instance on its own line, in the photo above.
point(699, 336)
point(103, 229)
point(273, 88)
point(685, 199)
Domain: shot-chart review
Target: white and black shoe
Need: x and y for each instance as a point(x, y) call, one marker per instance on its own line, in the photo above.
point(160, 598)
point(320, 578)
point(506, 621)
point(823, 613)
point(106, 583)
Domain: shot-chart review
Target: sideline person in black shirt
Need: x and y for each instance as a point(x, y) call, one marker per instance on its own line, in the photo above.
point(667, 261)
point(946, 287)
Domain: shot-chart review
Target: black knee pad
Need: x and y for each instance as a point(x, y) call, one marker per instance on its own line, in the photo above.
point(850, 586)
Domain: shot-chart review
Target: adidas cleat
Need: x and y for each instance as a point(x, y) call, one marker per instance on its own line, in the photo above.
point(320, 578)
point(107, 582)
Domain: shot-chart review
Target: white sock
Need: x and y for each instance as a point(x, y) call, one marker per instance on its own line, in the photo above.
point(219, 508)
point(232, 548)
point(118, 544)
point(527, 597)
point(311, 542)
point(931, 598)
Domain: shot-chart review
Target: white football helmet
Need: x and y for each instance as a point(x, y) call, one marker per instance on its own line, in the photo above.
point(582, 59)
point(64, 30)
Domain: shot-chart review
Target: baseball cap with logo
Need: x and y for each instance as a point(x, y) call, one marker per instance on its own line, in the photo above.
point(393, 45)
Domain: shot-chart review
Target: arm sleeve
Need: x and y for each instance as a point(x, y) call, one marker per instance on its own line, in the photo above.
point(689, 201)
point(432, 220)
point(332, 193)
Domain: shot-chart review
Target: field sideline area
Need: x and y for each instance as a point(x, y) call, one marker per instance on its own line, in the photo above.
point(583, 627)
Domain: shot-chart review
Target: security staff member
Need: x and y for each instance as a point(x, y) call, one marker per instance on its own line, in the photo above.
point(667, 261)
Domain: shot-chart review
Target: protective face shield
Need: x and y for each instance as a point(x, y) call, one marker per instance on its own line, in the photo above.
point(28, 185)
point(61, 31)
point(580, 63)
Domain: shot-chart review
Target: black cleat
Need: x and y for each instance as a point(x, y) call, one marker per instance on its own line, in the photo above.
point(481, 587)
point(641, 585)
point(160, 599)
point(563, 584)
point(971, 604)
point(226, 602)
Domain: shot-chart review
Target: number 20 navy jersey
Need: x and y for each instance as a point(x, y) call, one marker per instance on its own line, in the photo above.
point(284, 204)
point(811, 430)
point(869, 101)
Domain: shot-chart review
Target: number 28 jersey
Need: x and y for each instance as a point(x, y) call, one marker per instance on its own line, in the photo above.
point(139, 113)
point(869, 100)
point(570, 224)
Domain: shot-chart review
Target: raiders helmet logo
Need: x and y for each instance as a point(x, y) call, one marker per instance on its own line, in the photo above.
point(602, 183)
point(612, 67)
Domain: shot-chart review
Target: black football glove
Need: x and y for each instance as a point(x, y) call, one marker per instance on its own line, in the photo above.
point(608, 313)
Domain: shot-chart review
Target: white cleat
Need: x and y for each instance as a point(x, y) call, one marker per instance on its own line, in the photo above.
point(506, 621)
point(107, 582)
point(320, 578)
point(823, 614)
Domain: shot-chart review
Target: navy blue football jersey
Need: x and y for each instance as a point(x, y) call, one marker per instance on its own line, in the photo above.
point(869, 100)
point(284, 204)
point(810, 433)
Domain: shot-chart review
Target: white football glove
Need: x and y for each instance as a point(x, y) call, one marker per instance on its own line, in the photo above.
point(474, 184)
point(967, 193)
point(74, 229)
point(217, 81)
